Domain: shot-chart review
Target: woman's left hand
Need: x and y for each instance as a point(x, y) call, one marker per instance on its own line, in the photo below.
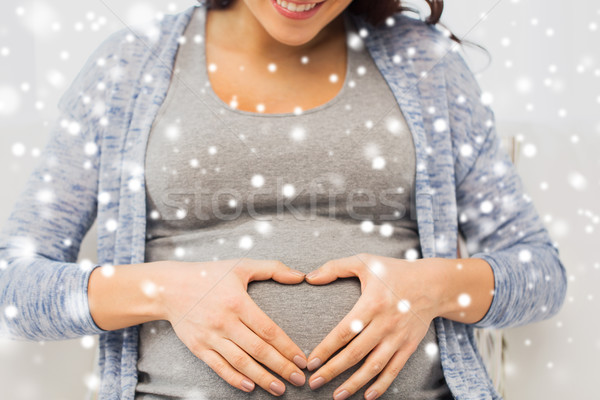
point(397, 304)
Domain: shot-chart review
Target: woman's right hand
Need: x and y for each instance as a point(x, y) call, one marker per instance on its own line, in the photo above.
point(211, 312)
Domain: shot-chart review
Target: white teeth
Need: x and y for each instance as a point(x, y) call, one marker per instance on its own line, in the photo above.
point(296, 7)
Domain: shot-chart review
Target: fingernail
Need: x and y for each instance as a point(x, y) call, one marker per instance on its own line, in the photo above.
point(371, 395)
point(297, 379)
point(342, 395)
point(296, 272)
point(299, 361)
point(277, 387)
point(314, 363)
point(248, 385)
point(317, 383)
point(312, 274)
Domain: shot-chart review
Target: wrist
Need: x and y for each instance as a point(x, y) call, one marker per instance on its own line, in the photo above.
point(463, 287)
point(118, 295)
point(438, 278)
point(151, 286)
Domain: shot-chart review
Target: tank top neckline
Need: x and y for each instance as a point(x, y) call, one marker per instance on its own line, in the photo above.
point(208, 87)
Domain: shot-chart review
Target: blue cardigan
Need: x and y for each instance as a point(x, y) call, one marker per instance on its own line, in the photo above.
point(92, 167)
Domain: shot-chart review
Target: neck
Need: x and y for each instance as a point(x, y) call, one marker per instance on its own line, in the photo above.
point(237, 29)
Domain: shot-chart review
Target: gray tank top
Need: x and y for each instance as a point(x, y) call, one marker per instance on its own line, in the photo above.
point(331, 182)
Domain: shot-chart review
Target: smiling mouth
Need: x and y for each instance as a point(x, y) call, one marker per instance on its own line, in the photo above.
point(297, 7)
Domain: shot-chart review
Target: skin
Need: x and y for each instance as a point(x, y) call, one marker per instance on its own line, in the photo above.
point(257, 35)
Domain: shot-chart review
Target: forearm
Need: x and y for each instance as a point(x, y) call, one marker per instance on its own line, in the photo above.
point(463, 286)
point(123, 296)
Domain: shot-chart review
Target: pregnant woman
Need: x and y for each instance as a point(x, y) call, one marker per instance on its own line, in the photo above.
point(279, 188)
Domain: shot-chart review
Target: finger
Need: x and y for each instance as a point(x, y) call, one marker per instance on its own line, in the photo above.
point(338, 268)
point(260, 323)
point(389, 373)
point(245, 364)
point(351, 355)
point(355, 321)
point(261, 270)
point(222, 367)
point(373, 365)
point(266, 354)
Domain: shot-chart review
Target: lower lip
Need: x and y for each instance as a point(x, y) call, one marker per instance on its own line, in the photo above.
point(296, 15)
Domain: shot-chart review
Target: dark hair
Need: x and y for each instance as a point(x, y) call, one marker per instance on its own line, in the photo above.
point(375, 11)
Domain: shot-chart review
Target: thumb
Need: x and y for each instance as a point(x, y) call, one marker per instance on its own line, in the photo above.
point(331, 270)
point(288, 275)
point(260, 270)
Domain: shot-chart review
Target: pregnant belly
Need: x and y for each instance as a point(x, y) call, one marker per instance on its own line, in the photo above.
point(307, 313)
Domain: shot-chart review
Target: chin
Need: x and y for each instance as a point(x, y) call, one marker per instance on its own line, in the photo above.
point(293, 41)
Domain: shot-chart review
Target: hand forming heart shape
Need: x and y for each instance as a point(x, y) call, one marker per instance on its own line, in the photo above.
point(385, 312)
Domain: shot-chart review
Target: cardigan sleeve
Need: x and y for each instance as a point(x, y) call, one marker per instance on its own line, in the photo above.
point(495, 215)
point(43, 290)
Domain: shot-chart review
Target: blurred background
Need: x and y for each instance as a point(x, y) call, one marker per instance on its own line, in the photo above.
point(543, 80)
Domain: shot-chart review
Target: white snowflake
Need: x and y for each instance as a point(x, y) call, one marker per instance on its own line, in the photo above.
point(577, 180)
point(111, 225)
point(466, 150)
point(440, 125)
point(386, 229)
point(257, 180)
point(487, 98)
point(486, 207)
point(246, 242)
point(87, 341)
point(377, 268)
point(367, 226)
point(10, 100)
point(18, 149)
point(524, 256)
point(411, 254)
point(378, 162)
point(431, 349)
point(464, 299)
point(356, 326)
point(403, 306)
point(45, 196)
point(288, 190)
point(263, 227)
point(10, 311)
point(298, 133)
